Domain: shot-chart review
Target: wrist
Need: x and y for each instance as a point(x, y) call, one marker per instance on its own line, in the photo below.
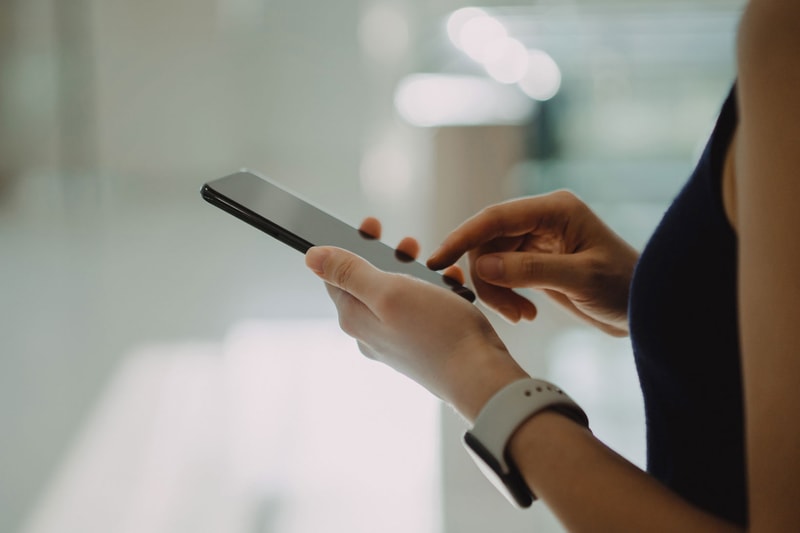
point(477, 375)
point(489, 439)
point(543, 445)
point(544, 430)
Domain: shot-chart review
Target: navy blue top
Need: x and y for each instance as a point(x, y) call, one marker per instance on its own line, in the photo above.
point(684, 330)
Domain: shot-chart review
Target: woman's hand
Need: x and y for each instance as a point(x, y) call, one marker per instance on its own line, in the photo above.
point(551, 242)
point(428, 333)
point(408, 247)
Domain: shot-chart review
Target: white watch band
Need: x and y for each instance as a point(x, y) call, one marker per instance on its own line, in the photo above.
point(499, 419)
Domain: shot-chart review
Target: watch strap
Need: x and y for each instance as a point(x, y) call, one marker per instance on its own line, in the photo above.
point(508, 409)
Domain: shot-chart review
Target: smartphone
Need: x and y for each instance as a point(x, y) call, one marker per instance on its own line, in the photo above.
point(284, 215)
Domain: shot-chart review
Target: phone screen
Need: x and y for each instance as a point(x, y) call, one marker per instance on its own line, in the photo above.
point(301, 225)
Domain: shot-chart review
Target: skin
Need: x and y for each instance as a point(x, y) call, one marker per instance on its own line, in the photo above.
point(554, 243)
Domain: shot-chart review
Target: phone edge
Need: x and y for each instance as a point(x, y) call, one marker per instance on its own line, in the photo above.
point(234, 208)
point(221, 201)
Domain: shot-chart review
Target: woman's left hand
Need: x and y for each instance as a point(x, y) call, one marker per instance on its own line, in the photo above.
point(427, 333)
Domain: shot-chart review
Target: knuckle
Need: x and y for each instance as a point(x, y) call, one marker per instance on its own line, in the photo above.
point(595, 273)
point(490, 211)
point(566, 195)
point(494, 217)
point(571, 200)
point(344, 272)
point(531, 269)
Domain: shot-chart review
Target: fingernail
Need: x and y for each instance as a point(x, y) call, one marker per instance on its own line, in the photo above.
point(315, 259)
point(490, 268)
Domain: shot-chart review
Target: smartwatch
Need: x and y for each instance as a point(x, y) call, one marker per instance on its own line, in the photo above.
point(506, 411)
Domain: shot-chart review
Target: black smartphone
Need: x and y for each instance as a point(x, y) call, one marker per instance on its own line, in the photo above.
point(290, 219)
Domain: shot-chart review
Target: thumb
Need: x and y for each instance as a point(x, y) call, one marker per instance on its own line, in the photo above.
point(530, 269)
point(344, 270)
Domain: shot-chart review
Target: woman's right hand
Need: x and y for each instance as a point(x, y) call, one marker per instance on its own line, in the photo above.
point(552, 242)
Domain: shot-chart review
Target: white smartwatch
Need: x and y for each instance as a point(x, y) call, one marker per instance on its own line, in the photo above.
point(486, 442)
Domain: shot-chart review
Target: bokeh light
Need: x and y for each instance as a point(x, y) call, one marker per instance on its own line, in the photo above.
point(543, 77)
point(456, 21)
point(478, 33)
point(506, 60)
point(428, 100)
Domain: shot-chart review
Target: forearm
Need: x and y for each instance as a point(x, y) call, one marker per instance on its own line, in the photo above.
point(591, 488)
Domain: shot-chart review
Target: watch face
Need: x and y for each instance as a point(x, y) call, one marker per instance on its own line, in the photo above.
point(510, 483)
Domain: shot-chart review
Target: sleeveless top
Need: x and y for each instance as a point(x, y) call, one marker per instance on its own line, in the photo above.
point(684, 332)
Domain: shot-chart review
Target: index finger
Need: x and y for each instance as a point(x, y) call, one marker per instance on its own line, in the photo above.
point(506, 219)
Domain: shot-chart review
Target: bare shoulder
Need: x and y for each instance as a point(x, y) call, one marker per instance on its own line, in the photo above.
point(767, 185)
point(768, 37)
point(768, 94)
point(777, 14)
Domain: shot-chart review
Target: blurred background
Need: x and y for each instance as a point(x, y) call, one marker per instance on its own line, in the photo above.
point(166, 368)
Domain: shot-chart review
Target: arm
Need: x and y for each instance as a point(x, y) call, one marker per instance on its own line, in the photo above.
point(767, 167)
point(444, 343)
point(589, 488)
point(409, 325)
